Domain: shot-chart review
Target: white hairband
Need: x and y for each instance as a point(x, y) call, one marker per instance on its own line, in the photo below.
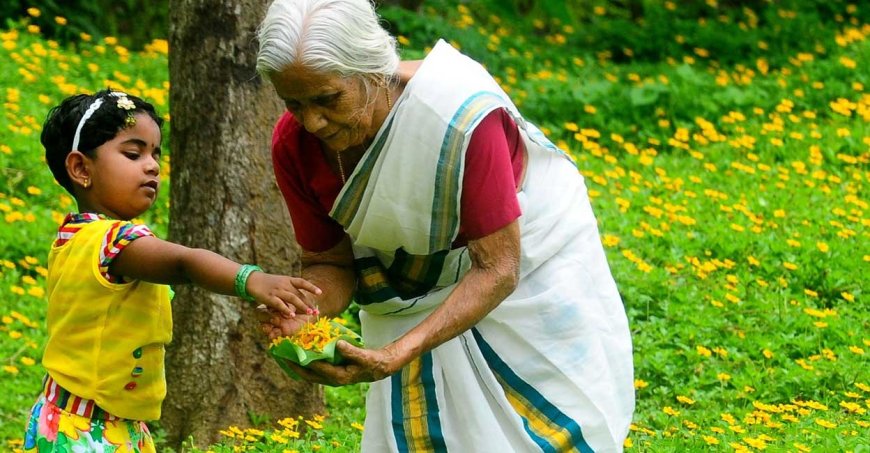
point(90, 112)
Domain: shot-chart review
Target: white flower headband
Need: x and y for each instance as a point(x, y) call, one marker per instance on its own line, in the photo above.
point(123, 103)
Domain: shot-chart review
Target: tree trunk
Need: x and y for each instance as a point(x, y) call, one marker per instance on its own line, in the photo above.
point(224, 198)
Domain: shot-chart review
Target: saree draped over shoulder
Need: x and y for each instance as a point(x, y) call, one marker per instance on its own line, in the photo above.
point(550, 369)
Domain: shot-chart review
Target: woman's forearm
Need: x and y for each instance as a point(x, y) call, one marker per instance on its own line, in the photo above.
point(332, 272)
point(493, 276)
point(337, 284)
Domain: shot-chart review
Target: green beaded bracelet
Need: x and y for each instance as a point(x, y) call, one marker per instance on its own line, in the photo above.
point(242, 280)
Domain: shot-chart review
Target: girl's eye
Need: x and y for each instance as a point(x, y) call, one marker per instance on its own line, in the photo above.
point(131, 155)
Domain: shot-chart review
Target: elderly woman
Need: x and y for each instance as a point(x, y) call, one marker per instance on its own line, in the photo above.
point(490, 317)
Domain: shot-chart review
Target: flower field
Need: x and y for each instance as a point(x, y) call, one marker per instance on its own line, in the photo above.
point(727, 159)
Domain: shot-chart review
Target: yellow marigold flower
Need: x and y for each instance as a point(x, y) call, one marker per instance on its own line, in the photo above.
point(811, 293)
point(802, 447)
point(767, 353)
point(627, 443)
point(640, 383)
point(10, 369)
point(357, 426)
point(847, 296)
point(33, 29)
point(711, 440)
point(670, 411)
point(823, 247)
point(27, 361)
point(34, 12)
point(856, 350)
point(60, 20)
point(723, 377)
point(789, 266)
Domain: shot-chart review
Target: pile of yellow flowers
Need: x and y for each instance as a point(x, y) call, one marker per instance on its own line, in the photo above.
point(313, 336)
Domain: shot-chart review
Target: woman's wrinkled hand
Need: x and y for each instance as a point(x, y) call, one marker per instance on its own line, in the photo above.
point(359, 365)
point(275, 325)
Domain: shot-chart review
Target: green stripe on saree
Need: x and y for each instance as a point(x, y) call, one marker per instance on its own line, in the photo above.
point(347, 205)
point(445, 205)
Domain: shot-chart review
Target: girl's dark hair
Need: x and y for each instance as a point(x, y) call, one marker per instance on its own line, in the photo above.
point(105, 123)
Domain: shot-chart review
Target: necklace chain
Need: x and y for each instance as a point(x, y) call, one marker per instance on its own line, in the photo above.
point(338, 154)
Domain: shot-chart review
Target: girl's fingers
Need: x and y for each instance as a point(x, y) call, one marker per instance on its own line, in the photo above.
point(305, 284)
point(277, 304)
point(297, 302)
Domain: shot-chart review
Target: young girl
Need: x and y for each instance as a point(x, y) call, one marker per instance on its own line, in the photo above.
point(108, 304)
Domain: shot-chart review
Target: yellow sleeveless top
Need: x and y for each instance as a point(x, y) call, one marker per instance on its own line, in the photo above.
point(105, 340)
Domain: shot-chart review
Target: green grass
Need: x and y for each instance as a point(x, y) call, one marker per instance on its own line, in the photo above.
point(727, 164)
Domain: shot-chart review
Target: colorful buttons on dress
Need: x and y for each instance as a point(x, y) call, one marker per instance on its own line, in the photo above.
point(137, 353)
point(130, 386)
point(137, 371)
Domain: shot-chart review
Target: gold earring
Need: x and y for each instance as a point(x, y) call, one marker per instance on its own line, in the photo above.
point(87, 183)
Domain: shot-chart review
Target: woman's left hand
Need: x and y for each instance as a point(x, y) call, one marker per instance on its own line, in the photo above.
point(360, 365)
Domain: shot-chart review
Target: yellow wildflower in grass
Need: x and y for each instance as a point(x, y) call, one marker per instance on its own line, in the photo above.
point(790, 266)
point(357, 426)
point(724, 377)
point(640, 384)
point(27, 361)
point(856, 350)
point(847, 296)
point(825, 424)
point(10, 369)
point(313, 424)
point(670, 411)
point(34, 12)
point(60, 20)
point(685, 400)
point(710, 440)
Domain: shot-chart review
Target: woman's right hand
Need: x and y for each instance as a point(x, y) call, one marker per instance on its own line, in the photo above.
point(276, 326)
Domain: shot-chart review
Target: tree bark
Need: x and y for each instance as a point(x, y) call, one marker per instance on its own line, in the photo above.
point(224, 198)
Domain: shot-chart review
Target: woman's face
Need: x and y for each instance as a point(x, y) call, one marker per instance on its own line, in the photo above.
point(333, 108)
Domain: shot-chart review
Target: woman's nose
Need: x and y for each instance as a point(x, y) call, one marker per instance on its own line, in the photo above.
point(312, 119)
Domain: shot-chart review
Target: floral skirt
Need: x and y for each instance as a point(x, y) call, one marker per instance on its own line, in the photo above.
point(55, 429)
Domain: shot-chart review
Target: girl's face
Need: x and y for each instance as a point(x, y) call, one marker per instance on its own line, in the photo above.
point(335, 109)
point(124, 174)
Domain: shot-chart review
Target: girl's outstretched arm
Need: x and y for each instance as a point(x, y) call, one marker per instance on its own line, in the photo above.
point(158, 261)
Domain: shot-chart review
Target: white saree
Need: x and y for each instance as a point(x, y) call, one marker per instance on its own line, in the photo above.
point(550, 369)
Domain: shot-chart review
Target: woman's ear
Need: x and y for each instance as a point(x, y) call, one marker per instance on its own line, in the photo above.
point(78, 169)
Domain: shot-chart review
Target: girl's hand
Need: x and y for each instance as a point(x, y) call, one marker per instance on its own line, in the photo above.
point(360, 365)
point(283, 294)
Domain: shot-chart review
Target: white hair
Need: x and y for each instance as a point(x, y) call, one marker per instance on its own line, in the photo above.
point(342, 37)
